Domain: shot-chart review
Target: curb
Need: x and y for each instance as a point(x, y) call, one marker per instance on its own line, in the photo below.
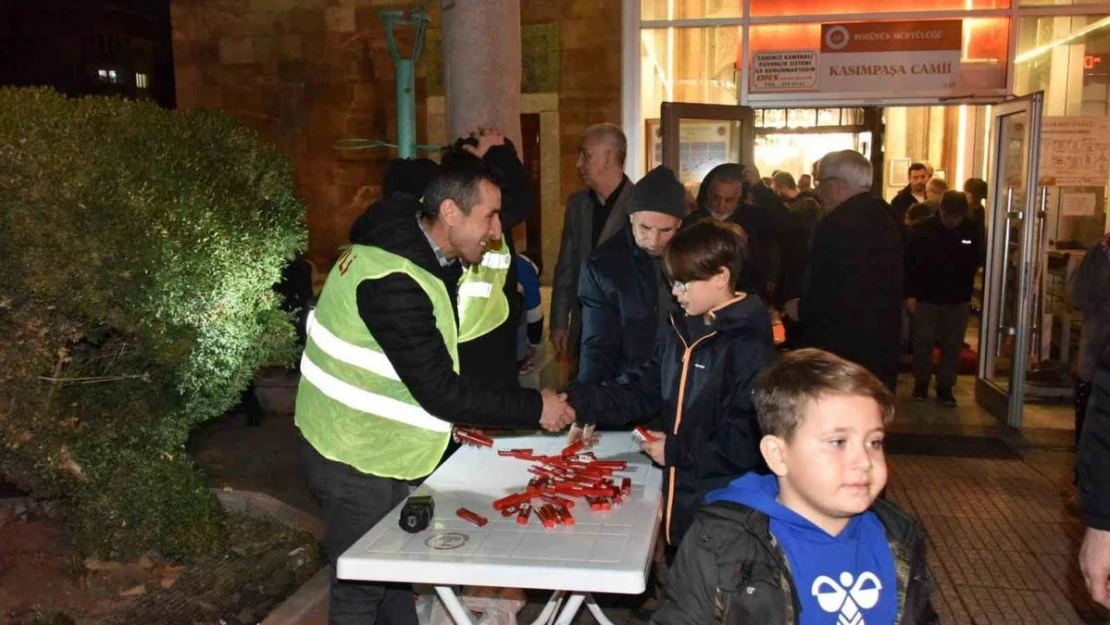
point(261, 505)
point(309, 604)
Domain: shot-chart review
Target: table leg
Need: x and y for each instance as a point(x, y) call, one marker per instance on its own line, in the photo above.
point(552, 607)
point(574, 603)
point(454, 608)
point(595, 609)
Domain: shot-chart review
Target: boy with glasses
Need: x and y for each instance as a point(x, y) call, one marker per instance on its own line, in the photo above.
point(699, 378)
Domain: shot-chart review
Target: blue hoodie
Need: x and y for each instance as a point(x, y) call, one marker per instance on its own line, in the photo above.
point(847, 579)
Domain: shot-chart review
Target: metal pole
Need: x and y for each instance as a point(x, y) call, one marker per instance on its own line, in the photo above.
point(406, 109)
point(406, 77)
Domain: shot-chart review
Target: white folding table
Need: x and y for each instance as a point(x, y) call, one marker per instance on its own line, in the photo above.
point(603, 552)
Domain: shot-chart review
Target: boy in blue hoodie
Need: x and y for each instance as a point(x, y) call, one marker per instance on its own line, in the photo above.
point(811, 544)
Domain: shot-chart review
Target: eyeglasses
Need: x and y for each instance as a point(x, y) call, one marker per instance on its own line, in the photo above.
point(682, 286)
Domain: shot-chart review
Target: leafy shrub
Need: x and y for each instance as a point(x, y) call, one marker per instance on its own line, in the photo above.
point(138, 248)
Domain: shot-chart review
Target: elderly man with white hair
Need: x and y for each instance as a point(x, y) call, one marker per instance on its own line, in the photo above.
point(852, 302)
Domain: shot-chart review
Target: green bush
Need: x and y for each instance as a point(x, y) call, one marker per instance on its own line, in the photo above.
point(138, 248)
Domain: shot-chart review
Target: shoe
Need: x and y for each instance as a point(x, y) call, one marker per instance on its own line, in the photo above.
point(945, 398)
point(921, 393)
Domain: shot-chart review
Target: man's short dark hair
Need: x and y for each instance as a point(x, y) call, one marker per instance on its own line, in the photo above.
point(699, 251)
point(786, 389)
point(954, 204)
point(784, 179)
point(918, 166)
point(459, 181)
point(976, 187)
point(409, 176)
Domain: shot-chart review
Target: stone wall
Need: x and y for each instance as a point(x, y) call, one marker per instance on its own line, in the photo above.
point(305, 73)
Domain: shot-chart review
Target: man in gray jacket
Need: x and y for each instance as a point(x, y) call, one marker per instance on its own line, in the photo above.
point(592, 216)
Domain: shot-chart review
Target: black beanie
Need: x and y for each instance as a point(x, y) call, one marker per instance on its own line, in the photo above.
point(659, 192)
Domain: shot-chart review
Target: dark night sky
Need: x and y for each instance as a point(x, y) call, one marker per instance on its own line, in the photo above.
point(64, 43)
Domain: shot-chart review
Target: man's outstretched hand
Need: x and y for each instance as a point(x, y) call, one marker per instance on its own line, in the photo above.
point(557, 413)
point(1094, 561)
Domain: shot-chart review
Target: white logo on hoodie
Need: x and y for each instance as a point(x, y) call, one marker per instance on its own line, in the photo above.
point(848, 597)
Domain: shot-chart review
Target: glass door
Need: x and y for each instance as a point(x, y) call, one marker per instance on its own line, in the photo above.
point(698, 137)
point(1012, 257)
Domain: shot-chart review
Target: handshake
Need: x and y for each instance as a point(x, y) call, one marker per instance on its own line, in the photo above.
point(557, 412)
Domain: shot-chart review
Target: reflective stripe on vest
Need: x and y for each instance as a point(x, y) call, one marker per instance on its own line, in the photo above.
point(351, 404)
point(362, 357)
point(482, 302)
point(368, 402)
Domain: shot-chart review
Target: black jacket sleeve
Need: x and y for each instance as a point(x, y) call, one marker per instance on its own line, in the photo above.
point(518, 200)
point(902, 203)
point(601, 329)
point(916, 249)
point(826, 286)
point(692, 583)
point(400, 316)
point(564, 289)
point(635, 395)
point(1093, 455)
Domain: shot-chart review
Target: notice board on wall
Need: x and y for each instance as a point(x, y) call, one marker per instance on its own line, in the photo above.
point(1075, 151)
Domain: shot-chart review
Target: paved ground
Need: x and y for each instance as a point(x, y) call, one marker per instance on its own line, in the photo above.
point(1002, 537)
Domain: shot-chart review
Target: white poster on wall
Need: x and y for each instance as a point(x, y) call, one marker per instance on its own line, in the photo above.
point(784, 70)
point(1075, 151)
point(1078, 204)
point(890, 57)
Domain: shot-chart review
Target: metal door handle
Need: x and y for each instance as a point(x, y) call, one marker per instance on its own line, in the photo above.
point(1039, 271)
point(1005, 273)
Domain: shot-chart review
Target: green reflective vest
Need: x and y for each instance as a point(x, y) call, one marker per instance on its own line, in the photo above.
point(351, 404)
point(482, 302)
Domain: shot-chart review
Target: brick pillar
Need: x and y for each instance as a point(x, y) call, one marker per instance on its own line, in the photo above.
point(481, 66)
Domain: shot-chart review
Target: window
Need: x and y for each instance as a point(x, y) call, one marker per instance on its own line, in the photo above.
point(107, 75)
point(688, 65)
point(778, 8)
point(689, 9)
point(808, 117)
point(140, 81)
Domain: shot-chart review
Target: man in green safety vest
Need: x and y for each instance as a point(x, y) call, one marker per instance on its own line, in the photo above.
point(380, 388)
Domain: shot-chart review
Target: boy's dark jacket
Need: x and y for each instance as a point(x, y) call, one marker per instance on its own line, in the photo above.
point(717, 436)
point(731, 571)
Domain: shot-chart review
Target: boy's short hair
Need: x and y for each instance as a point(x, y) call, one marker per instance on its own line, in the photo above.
point(954, 204)
point(699, 251)
point(785, 389)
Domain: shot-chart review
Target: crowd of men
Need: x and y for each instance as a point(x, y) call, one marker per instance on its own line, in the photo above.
point(417, 329)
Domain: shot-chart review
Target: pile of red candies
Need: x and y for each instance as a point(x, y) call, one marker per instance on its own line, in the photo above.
point(559, 479)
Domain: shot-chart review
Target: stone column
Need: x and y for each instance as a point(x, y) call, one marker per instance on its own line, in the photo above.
point(481, 66)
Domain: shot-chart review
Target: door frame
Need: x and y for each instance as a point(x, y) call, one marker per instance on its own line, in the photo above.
point(1009, 405)
point(671, 115)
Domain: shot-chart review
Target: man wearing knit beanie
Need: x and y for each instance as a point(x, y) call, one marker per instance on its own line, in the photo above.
point(624, 293)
